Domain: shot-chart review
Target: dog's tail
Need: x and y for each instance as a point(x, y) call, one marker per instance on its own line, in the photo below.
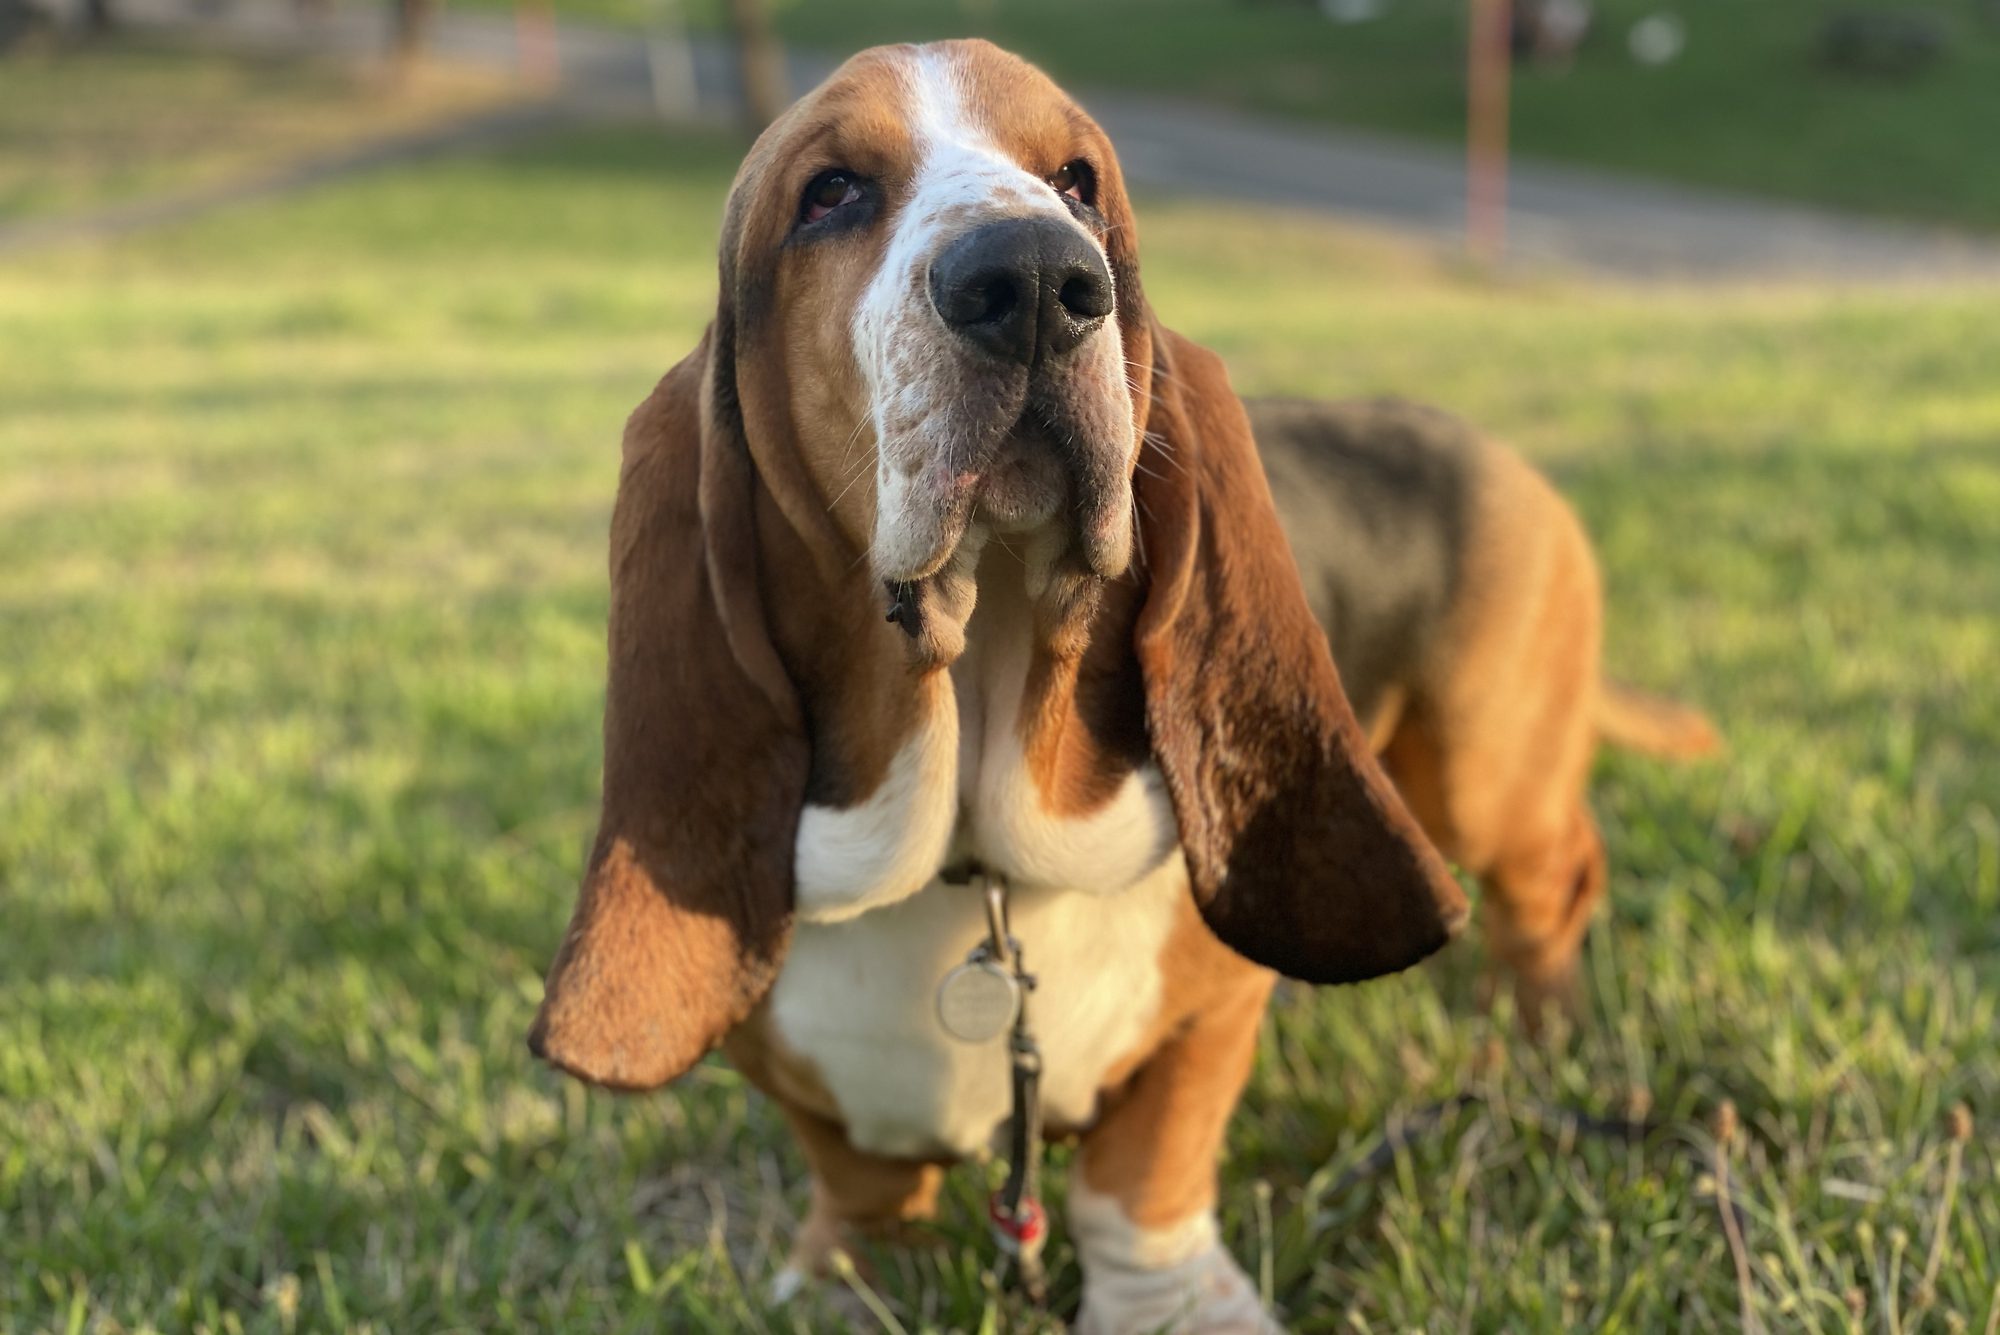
point(1650, 723)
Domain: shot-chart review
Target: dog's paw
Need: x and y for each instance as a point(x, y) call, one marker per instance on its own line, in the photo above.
point(1206, 1294)
point(1140, 1280)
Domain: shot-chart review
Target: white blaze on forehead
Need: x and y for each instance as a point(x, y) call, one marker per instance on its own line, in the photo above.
point(911, 365)
point(959, 172)
point(959, 164)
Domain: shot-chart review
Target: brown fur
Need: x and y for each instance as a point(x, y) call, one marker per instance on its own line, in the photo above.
point(1158, 1137)
point(1464, 606)
point(855, 1195)
point(1086, 720)
point(1642, 722)
point(1497, 724)
point(1494, 746)
point(1249, 722)
point(683, 915)
point(1159, 1133)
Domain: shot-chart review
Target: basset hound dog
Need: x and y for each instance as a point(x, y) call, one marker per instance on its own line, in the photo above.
point(933, 385)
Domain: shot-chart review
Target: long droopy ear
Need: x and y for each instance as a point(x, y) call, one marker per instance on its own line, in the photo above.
point(1301, 855)
point(685, 909)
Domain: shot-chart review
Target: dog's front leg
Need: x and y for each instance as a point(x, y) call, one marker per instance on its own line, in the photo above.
point(1143, 1191)
point(855, 1196)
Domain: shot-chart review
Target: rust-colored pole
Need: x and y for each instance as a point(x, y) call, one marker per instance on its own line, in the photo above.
point(761, 60)
point(535, 43)
point(1488, 65)
point(411, 35)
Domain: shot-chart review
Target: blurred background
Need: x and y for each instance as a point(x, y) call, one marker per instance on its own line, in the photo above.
point(318, 323)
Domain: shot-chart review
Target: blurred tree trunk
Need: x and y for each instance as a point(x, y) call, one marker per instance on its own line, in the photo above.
point(535, 46)
point(759, 59)
point(412, 31)
point(97, 16)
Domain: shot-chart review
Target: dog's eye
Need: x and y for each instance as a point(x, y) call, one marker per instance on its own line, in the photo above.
point(829, 191)
point(1074, 179)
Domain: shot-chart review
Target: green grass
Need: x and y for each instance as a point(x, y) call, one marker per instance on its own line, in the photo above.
point(136, 118)
point(302, 516)
point(1747, 106)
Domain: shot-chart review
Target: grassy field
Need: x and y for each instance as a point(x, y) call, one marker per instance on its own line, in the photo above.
point(302, 516)
point(157, 121)
point(1746, 107)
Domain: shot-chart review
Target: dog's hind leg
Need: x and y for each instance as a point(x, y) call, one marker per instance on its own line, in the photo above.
point(1542, 899)
point(1493, 753)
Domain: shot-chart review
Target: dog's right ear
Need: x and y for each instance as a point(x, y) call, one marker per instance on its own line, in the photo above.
point(686, 907)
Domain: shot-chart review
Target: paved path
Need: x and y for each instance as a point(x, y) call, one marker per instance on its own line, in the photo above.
point(1566, 216)
point(470, 131)
point(1570, 217)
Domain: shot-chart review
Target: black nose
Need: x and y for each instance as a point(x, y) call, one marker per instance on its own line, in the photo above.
point(1024, 289)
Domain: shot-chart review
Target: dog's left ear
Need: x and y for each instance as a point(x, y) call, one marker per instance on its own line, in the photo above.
point(1300, 853)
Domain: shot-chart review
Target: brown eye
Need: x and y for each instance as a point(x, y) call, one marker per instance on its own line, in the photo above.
point(1074, 180)
point(828, 191)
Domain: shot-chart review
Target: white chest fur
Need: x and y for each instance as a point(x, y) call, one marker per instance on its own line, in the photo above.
point(1093, 900)
point(858, 998)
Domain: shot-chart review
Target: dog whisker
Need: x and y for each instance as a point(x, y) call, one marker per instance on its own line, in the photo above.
point(859, 473)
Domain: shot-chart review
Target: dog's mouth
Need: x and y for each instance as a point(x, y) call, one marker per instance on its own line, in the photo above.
point(1062, 504)
point(1025, 485)
point(1037, 479)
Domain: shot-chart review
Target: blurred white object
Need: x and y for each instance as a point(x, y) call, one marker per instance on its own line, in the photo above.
point(1560, 25)
point(1547, 31)
point(1657, 39)
point(1351, 11)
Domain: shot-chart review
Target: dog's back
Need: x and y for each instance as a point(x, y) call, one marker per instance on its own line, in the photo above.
point(1463, 604)
point(1376, 498)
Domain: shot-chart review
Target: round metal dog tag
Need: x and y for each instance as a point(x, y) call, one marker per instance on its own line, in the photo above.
point(977, 1001)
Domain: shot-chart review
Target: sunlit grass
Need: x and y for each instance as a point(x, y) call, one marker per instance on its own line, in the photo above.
point(301, 613)
point(134, 118)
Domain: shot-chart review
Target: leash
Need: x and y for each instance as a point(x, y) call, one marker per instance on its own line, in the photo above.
point(977, 1002)
point(1634, 1128)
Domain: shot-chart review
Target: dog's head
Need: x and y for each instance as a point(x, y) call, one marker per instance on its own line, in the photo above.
point(930, 330)
point(930, 275)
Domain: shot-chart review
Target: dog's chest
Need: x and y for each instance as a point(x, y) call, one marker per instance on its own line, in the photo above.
point(1093, 898)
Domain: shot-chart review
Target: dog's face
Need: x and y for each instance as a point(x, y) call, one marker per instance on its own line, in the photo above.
point(945, 273)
